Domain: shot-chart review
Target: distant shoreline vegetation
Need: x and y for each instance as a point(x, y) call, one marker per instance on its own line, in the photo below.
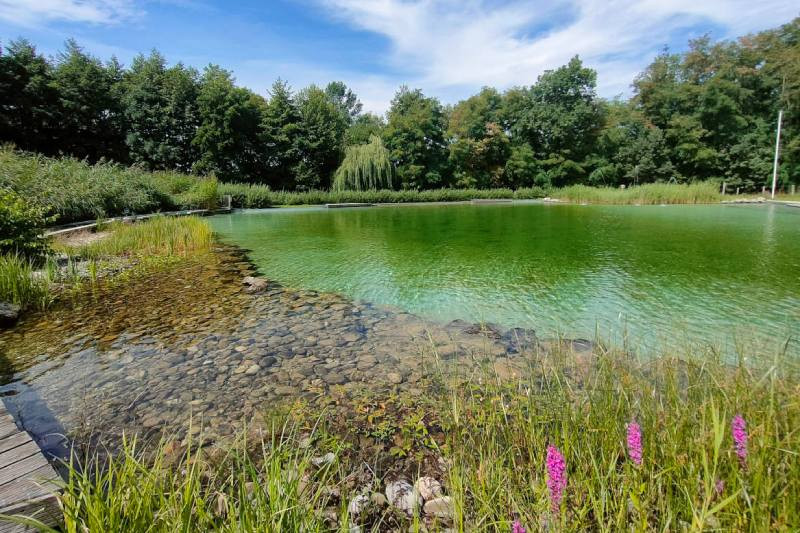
point(706, 114)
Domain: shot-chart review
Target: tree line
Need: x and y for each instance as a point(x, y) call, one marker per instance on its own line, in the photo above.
point(707, 113)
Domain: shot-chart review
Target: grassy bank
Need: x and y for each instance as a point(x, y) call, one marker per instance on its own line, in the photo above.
point(73, 190)
point(648, 194)
point(20, 286)
point(685, 465)
point(257, 196)
point(31, 285)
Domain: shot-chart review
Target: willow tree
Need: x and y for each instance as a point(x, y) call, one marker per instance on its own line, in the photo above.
point(365, 166)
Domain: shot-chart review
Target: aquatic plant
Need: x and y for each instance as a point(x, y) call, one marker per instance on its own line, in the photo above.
point(155, 236)
point(739, 432)
point(20, 285)
point(634, 442)
point(365, 166)
point(647, 194)
point(556, 476)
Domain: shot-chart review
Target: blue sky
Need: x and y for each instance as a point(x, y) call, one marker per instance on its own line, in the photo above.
point(448, 48)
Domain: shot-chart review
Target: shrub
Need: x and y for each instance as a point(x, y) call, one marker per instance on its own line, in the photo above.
point(21, 226)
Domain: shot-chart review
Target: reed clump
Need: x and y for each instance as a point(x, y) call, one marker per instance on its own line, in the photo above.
point(647, 194)
point(157, 236)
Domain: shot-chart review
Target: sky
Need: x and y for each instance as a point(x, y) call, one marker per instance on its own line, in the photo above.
point(447, 48)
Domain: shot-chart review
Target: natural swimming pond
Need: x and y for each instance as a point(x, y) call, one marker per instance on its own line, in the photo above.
point(646, 275)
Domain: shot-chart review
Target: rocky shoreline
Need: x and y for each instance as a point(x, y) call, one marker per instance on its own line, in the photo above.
point(211, 342)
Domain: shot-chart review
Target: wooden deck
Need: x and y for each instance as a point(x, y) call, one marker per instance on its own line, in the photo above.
point(26, 477)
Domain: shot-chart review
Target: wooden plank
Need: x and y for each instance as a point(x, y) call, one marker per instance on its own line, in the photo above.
point(19, 453)
point(12, 441)
point(7, 429)
point(21, 468)
point(27, 480)
point(36, 485)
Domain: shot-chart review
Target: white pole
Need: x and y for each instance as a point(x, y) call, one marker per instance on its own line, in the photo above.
point(777, 152)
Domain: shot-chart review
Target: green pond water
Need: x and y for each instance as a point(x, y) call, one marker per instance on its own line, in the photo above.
point(648, 276)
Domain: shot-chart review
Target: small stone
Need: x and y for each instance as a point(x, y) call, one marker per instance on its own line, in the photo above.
point(378, 500)
point(323, 460)
point(253, 369)
point(254, 284)
point(440, 508)
point(240, 348)
point(428, 488)
point(394, 378)
point(402, 495)
point(358, 503)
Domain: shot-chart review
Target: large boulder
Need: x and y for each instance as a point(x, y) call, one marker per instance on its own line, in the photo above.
point(9, 313)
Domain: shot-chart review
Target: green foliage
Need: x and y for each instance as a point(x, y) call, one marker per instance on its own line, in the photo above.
point(258, 196)
point(19, 285)
point(74, 190)
point(415, 137)
point(363, 128)
point(170, 236)
point(707, 113)
point(21, 226)
point(366, 166)
point(647, 194)
point(322, 126)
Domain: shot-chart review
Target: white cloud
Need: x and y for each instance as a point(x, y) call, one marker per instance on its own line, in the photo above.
point(35, 12)
point(444, 46)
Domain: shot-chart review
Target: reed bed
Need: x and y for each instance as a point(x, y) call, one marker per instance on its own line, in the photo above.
point(648, 194)
point(602, 444)
point(157, 236)
point(73, 190)
point(258, 196)
point(20, 286)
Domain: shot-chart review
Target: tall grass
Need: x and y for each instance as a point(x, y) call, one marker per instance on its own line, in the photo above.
point(258, 196)
point(74, 190)
point(19, 285)
point(496, 436)
point(648, 194)
point(690, 477)
point(156, 236)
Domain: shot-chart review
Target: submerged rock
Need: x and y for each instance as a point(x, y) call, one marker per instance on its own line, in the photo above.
point(9, 313)
point(255, 284)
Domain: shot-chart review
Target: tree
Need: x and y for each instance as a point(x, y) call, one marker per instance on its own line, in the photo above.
point(161, 111)
point(363, 128)
point(521, 168)
point(345, 100)
point(280, 125)
point(28, 100)
point(91, 122)
point(415, 137)
point(228, 139)
point(365, 166)
point(319, 139)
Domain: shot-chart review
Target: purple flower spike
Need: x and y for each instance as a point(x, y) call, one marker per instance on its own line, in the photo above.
point(556, 476)
point(635, 443)
point(739, 430)
point(517, 527)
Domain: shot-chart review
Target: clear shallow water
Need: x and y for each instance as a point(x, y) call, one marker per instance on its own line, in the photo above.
point(651, 275)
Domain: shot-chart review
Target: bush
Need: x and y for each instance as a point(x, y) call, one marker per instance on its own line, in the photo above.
point(21, 226)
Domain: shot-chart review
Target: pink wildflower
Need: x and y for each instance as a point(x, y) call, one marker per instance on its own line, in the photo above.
point(556, 476)
point(635, 443)
point(517, 527)
point(739, 430)
point(719, 487)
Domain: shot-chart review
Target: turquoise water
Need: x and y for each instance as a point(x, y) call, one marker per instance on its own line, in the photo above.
point(647, 275)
